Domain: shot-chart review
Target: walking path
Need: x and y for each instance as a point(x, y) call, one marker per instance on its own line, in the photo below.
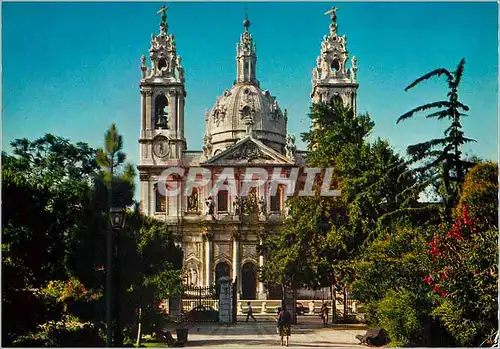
point(307, 334)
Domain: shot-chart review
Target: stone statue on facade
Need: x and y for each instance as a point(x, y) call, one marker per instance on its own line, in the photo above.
point(262, 206)
point(249, 126)
point(180, 69)
point(318, 67)
point(154, 42)
point(315, 75)
point(207, 146)
point(354, 68)
point(193, 202)
point(193, 276)
point(236, 206)
point(290, 147)
point(144, 67)
point(209, 203)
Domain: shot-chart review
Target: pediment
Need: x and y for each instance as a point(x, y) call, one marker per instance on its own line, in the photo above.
point(248, 151)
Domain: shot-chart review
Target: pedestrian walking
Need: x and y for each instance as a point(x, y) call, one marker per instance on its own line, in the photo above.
point(250, 312)
point(324, 314)
point(284, 324)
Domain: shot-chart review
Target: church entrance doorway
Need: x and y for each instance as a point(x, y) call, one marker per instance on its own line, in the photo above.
point(249, 281)
point(221, 270)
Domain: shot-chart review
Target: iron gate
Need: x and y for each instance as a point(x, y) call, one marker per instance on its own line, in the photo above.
point(200, 304)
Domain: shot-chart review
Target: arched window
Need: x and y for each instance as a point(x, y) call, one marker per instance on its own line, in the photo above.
point(162, 63)
point(336, 99)
point(160, 201)
point(222, 201)
point(161, 111)
point(277, 200)
point(335, 65)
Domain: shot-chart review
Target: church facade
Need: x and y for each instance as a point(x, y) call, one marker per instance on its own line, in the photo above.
point(246, 128)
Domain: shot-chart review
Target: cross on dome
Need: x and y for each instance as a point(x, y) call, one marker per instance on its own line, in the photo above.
point(163, 23)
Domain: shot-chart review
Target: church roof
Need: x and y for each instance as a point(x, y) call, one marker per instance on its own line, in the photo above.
point(245, 109)
point(249, 152)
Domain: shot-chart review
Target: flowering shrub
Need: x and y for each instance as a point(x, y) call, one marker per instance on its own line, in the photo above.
point(73, 289)
point(464, 254)
point(74, 298)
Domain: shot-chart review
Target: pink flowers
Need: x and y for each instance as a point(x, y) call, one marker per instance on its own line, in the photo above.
point(437, 289)
point(434, 250)
point(455, 231)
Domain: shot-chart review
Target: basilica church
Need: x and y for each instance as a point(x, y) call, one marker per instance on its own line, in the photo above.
point(246, 127)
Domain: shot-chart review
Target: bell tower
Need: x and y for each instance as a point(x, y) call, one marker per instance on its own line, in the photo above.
point(331, 79)
point(161, 140)
point(162, 99)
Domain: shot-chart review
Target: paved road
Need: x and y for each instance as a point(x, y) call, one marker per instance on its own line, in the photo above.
point(307, 334)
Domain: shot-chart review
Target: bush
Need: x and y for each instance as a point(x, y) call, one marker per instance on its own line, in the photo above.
point(397, 314)
point(63, 334)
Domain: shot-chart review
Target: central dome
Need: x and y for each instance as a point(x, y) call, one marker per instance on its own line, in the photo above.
point(245, 110)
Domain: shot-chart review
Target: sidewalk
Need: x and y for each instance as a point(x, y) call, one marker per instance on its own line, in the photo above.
point(308, 333)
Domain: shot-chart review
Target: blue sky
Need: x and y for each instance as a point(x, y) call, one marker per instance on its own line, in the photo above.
point(72, 69)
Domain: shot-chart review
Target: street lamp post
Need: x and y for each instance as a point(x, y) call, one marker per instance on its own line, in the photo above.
point(332, 292)
point(117, 217)
point(109, 262)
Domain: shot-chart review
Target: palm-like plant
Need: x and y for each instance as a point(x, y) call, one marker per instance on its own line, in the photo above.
point(443, 153)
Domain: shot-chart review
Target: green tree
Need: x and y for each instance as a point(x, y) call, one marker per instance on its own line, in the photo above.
point(43, 183)
point(322, 234)
point(443, 156)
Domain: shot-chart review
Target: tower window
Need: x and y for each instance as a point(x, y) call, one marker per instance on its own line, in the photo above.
point(161, 112)
point(160, 201)
point(335, 65)
point(162, 63)
point(222, 201)
point(336, 99)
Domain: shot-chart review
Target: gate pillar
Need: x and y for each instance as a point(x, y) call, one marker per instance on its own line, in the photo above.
point(225, 301)
point(174, 306)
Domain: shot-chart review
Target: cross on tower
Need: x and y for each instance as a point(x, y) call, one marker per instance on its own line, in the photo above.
point(163, 23)
point(333, 13)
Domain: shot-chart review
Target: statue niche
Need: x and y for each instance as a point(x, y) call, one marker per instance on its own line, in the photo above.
point(193, 201)
point(161, 112)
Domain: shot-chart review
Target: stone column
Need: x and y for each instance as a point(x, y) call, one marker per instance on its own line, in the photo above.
point(261, 293)
point(143, 113)
point(208, 258)
point(146, 209)
point(180, 116)
point(149, 112)
point(236, 258)
point(260, 290)
point(172, 111)
point(152, 196)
